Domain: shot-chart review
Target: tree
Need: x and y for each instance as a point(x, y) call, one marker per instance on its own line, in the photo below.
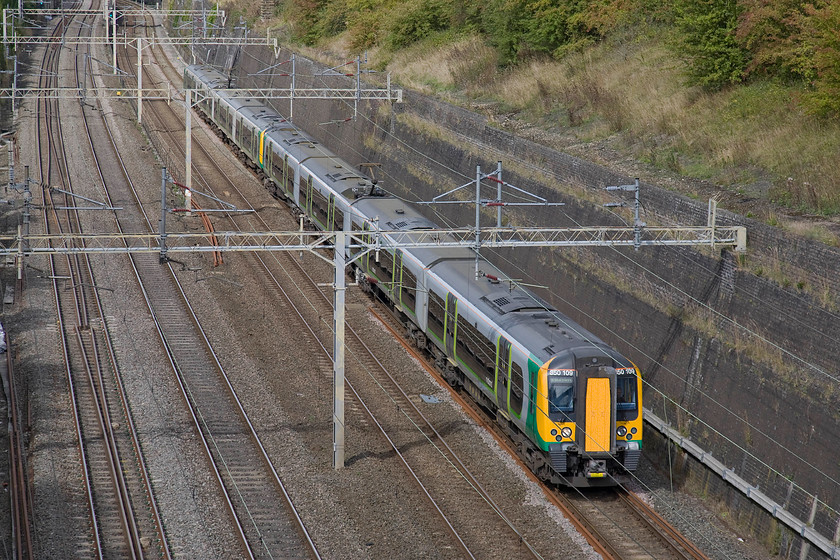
point(820, 36)
point(708, 42)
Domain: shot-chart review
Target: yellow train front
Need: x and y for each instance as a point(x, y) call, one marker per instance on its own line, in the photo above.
point(588, 413)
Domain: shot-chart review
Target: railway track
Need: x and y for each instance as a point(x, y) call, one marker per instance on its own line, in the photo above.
point(261, 510)
point(610, 545)
point(254, 491)
point(617, 523)
point(453, 492)
point(628, 528)
point(404, 403)
point(20, 498)
point(115, 488)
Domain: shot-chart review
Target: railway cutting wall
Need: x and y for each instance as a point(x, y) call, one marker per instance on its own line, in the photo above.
point(709, 329)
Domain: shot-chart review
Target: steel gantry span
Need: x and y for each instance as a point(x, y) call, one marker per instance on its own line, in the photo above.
point(10, 36)
point(376, 240)
point(373, 240)
point(382, 94)
point(157, 94)
point(129, 41)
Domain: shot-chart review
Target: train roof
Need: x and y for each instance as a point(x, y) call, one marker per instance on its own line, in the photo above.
point(394, 214)
point(335, 172)
point(521, 313)
point(209, 76)
point(257, 113)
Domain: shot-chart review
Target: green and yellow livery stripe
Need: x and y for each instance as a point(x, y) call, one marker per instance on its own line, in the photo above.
point(262, 146)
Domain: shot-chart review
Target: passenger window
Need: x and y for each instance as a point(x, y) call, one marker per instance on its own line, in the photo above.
point(625, 392)
point(560, 394)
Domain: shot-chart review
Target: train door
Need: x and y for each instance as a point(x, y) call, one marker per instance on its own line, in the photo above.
point(306, 195)
point(397, 279)
point(366, 257)
point(451, 318)
point(336, 215)
point(255, 144)
point(265, 155)
point(596, 412)
point(408, 292)
point(436, 320)
point(503, 373)
point(517, 387)
point(288, 177)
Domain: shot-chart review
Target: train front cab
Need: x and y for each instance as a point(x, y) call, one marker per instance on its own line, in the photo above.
point(589, 418)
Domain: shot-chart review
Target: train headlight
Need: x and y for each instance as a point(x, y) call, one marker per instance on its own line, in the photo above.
point(553, 432)
point(621, 431)
point(633, 430)
point(566, 432)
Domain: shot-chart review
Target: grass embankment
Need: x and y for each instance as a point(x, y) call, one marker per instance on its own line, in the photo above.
point(624, 100)
point(752, 140)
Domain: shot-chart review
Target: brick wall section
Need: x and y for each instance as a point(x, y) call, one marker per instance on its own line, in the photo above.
point(794, 417)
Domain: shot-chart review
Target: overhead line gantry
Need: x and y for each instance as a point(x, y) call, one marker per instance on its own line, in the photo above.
point(322, 243)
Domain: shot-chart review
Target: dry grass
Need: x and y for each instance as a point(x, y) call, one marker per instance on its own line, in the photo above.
point(441, 68)
point(737, 137)
point(814, 232)
point(632, 89)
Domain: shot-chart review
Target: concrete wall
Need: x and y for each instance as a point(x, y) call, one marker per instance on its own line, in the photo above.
point(712, 380)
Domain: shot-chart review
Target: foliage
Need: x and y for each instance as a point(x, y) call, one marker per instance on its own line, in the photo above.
point(418, 19)
point(723, 42)
point(768, 30)
point(821, 37)
point(793, 40)
point(708, 41)
point(521, 29)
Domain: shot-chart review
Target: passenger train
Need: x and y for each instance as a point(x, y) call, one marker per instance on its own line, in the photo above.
point(571, 404)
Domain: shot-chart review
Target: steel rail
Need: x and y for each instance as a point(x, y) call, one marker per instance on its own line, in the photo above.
point(80, 269)
point(42, 113)
point(461, 467)
point(598, 543)
point(96, 377)
point(171, 356)
point(395, 448)
point(669, 535)
point(199, 177)
point(255, 437)
point(196, 414)
point(677, 541)
point(463, 470)
point(138, 453)
point(21, 507)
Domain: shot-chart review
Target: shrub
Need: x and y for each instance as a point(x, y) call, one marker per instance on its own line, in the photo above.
point(708, 42)
point(416, 20)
